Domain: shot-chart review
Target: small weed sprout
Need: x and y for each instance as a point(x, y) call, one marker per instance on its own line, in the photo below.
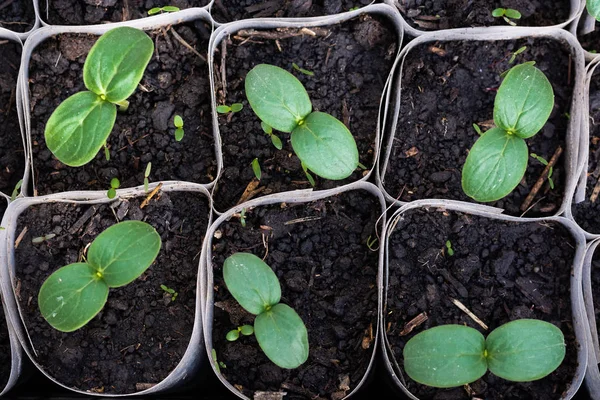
point(243, 217)
point(449, 248)
point(106, 152)
point(42, 239)
point(146, 176)
point(302, 70)
point(114, 185)
point(274, 138)
point(311, 180)
point(277, 326)
point(256, 169)
point(218, 364)
point(170, 291)
point(371, 242)
point(178, 122)
point(166, 9)
point(16, 190)
point(508, 14)
point(234, 334)
point(75, 293)
point(225, 109)
point(477, 129)
point(550, 170)
point(514, 55)
point(454, 355)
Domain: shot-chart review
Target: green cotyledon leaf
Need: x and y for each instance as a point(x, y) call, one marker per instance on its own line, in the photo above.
point(593, 8)
point(116, 63)
point(79, 127)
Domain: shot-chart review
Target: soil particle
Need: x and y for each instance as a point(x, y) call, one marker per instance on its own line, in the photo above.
point(449, 86)
point(515, 278)
point(349, 75)
point(137, 337)
point(142, 134)
point(333, 288)
point(17, 15)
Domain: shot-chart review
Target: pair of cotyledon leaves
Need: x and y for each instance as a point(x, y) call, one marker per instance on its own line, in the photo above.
point(454, 355)
point(81, 124)
point(322, 142)
point(279, 330)
point(497, 161)
point(75, 293)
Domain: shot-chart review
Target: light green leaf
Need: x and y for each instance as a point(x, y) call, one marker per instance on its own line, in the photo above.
point(276, 142)
point(266, 128)
point(511, 13)
point(256, 169)
point(593, 8)
point(223, 109)
point(445, 356)
point(282, 335)
point(498, 12)
point(154, 10)
point(116, 63)
point(178, 121)
point(495, 165)
point(124, 251)
point(232, 335)
point(237, 107)
point(251, 282)
point(111, 193)
point(247, 330)
point(325, 146)
point(72, 296)
point(525, 350)
point(170, 9)
point(79, 127)
point(179, 133)
point(277, 97)
point(524, 101)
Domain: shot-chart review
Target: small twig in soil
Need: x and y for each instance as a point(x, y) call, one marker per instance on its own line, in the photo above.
point(144, 386)
point(469, 313)
point(265, 240)
point(368, 338)
point(282, 33)
point(150, 195)
point(3, 41)
point(538, 184)
point(20, 237)
point(413, 323)
point(125, 10)
point(187, 45)
point(299, 220)
point(251, 191)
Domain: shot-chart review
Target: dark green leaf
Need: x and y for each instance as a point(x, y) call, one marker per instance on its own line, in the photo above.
point(282, 335)
point(495, 165)
point(325, 146)
point(116, 63)
point(445, 356)
point(79, 127)
point(277, 97)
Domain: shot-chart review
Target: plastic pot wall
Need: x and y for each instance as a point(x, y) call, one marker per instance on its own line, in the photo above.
point(572, 139)
point(193, 358)
point(592, 377)
point(585, 24)
point(24, 35)
point(299, 196)
point(580, 320)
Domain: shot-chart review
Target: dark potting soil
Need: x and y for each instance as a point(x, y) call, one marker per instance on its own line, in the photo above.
point(328, 275)
point(501, 271)
point(12, 156)
point(88, 12)
point(445, 14)
point(140, 335)
point(591, 41)
point(350, 62)
point(448, 86)
point(175, 83)
point(5, 360)
point(17, 15)
point(234, 10)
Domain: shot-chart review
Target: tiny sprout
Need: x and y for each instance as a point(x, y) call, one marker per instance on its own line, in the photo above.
point(274, 138)
point(516, 53)
point(354, 8)
point(304, 71)
point(508, 14)
point(106, 152)
point(170, 291)
point(15, 191)
point(243, 217)
point(42, 239)
point(166, 9)
point(234, 334)
point(178, 122)
point(225, 109)
point(449, 249)
point(146, 175)
point(550, 170)
point(371, 242)
point(311, 180)
point(256, 169)
point(218, 364)
point(114, 185)
point(477, 129)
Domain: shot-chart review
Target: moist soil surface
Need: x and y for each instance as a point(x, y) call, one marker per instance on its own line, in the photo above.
point(12, 156)
point(327, 274)
point(350, 62)
point(501, 271)
point(449, 86)
point(140, 335)
point(17, 15)
point(591, 41)
point(587, 213)
point(445, 14)
point(175, 83)
point(88, 12)
point(233, 10)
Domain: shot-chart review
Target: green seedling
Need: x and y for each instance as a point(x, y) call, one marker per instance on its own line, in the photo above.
point(178, 122)
point(514, 55)
point(277, 326)
point(550, 170)
point(114, 185)
point(75, 293)
point(218, 364)
point(234, 334)
point(477, 129)
point(166, 9)
point(322, 142)
point(371, 242)
point(80, 125)
point(256, 169)
point(274, 138)
point(16, 190)
point(354, 8)
point(147, 176)
point(243, 217)
point(172, 292)
point(42, 239)
point(311, 180)
point(593, 8)
point(497, 161)
point(106, 152)
point(508, 14)
point(453, 355)
point(302, 70)
point(449, 248)
point(225, 109)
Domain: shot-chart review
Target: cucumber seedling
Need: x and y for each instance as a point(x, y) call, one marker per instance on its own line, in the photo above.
point(277, 326)
point(454, 355)
point(75, 293)
point(225, 109)
point(497, 161)
point(114, 185)
point(166, 9)
point(80, 125)
point(322, 142)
